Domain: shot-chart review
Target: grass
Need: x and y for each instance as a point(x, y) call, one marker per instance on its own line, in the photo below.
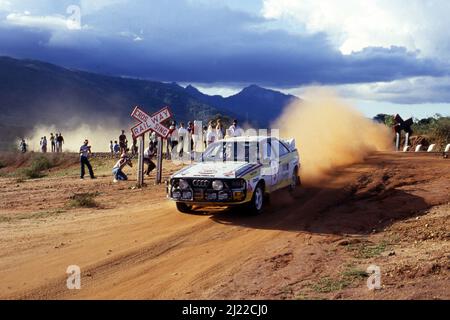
point(327, 285)
point(83, 200)
point(347, 278)
point(365, 251)
point(38, 165)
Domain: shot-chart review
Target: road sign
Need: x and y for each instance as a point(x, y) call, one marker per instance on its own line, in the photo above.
point(151, 123)
point(145, 124)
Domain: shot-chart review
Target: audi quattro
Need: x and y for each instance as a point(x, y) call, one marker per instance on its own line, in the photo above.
point(240, 171)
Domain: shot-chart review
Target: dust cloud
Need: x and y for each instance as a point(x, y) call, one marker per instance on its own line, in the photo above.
point(330, 133)
point(99, 136)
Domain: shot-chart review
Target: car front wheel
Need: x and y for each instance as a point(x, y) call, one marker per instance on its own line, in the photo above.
point(184, 208)
point(256, 206)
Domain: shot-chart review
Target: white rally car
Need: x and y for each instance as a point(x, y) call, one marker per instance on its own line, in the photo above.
point(237, 172)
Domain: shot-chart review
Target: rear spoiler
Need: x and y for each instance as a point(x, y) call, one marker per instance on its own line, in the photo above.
point(290, 143)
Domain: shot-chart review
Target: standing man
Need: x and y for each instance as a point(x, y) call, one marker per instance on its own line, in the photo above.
point(44, 144)
point(219, 130)
point(53, 142)
point(123, 142)
point(173, 137)
point(182, 139)
point(60, 141)
point(57, 142)
point(111, 148)
point(235, 130)
point(23, 146)
point(85, 151)
point(210, 134)
point(116, 148)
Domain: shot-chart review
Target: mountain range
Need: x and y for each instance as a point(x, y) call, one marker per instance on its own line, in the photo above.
point(34, 92)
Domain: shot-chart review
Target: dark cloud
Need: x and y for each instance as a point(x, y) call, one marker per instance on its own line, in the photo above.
point(207, 44)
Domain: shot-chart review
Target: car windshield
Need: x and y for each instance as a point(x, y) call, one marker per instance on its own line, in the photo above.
point(233, 151)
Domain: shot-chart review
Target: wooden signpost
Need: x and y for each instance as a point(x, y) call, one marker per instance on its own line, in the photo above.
point(150, 123)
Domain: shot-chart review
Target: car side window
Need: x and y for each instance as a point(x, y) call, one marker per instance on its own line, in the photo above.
point(279, 148)
point(283, 149)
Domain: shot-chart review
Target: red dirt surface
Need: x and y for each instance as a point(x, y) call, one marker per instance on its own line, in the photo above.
point(391, 211)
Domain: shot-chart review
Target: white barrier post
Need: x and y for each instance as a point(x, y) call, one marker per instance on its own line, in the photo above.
point(447, 148)
point(407, 140)
point(397, 141)
point(431, 148)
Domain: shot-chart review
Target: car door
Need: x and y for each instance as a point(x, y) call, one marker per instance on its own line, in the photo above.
point(269, 171)
point(281, 163)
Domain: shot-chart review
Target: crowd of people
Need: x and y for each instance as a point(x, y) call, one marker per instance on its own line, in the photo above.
point(181, 140)
point(56, 142)
point(196, 138)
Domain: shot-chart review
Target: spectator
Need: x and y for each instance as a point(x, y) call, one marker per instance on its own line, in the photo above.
point(134, 149)
point(23, 146)
point(123, 142)
point(191, 133)
point(56, 142)
point(150, 153)
point(85, 151)
point(204, 133)
point(53, 142)
point(169, 141)
point(173, 136)
point(43, 144)
point(116, 148)
point(117, 171)
point(60, 142)
point(211, 135)
point(235, 130)
point(183, 137)
point(219, 130)
point(111, 148)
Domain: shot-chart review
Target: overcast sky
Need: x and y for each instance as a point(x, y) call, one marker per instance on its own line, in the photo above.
point(385, 55)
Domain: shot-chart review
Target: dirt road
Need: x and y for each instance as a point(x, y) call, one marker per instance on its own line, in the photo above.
point(391, 211)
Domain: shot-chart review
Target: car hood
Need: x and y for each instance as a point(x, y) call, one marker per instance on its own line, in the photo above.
point(220, 170)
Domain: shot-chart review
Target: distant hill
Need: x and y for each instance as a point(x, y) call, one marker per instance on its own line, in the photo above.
point(34, 92)
point(253, 104)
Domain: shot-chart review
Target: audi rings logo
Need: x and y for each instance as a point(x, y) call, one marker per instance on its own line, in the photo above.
point(200, 183)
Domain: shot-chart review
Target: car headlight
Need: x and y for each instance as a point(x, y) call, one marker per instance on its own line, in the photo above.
point(217, 185)
point(238, 184)
point(183, 184)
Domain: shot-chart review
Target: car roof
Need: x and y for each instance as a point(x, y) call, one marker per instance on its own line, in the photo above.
point(247, 139)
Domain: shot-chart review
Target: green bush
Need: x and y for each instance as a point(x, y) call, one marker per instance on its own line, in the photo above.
point(38, 165)
point(441, 130)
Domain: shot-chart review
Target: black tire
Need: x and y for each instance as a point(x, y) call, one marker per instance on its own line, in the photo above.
point(257, 204)
point(184, 208)
point(295, 181)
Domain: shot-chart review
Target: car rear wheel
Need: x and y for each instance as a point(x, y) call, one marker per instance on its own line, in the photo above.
point(184, 208)
point(257, 204)
point(295, 181)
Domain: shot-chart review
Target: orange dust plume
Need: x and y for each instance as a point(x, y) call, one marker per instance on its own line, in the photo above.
point(330, 133)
